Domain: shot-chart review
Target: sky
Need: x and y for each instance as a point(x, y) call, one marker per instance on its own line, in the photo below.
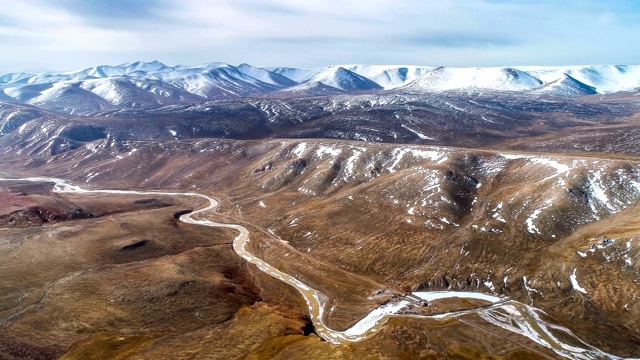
point(38, 35)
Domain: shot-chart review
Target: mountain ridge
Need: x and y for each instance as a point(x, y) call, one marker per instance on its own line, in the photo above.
point(153, 83)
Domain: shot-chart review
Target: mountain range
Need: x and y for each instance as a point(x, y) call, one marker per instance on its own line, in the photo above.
point(365, 184)
point(144, 84)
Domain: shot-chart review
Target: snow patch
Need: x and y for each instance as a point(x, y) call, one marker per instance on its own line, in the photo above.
point(420, 135)
point(574, 283)
point(299, 149)
point(531, 227)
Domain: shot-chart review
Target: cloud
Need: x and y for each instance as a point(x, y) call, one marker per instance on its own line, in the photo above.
point(265, 8)
point(113, 13)
point(69, 34)
point(110, 8)
point(459, 40)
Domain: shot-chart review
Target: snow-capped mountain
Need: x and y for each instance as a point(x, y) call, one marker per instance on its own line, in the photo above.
point(142, 84)
point(604, 78)
point(499, 79)
point(390, 77)
point(566, 86)
point(335, 79)
point(65, 97)
point(297, 75)
point(265, 75)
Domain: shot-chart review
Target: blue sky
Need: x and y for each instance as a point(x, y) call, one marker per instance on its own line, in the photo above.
point(74, 34)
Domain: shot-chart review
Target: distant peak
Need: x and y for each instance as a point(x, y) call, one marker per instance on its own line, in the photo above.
point(142, 64)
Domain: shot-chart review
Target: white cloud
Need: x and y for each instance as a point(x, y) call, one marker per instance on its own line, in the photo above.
point(63, 34)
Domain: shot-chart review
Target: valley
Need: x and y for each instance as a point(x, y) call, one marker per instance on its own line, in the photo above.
point(392, 222)
point(372, 322)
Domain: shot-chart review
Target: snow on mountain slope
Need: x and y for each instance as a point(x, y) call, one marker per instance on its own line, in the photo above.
point(338, 78)
point(133, 92)
point(14, 78)
point(138, 68)
point(216, 79)
point(223, 82)
point(386, 76)
point(141, 66)
point(138, 84)
point(566, 86)
point(13, 116)
point(297, 75)
point(6, 98)
point(116, 91)
point(154, 83)
point(164, 90)
point(63, 94)
point(27, 92)
point(102, 71)
point(500, 79)
point(343, 79)
point(265, 76)
point(604, 78)
point(213, 65)
point(389, 77)
point(170, 74)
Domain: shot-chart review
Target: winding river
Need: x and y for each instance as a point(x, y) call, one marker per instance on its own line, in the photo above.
point(506, 314)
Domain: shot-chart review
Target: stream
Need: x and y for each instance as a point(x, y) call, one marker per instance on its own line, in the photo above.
point(504, 313)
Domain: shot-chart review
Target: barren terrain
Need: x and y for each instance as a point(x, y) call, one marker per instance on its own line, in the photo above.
point(365, 199)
